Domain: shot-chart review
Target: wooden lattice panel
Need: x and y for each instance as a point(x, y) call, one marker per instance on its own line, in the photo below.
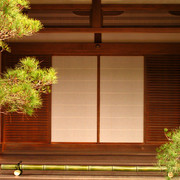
point(162, 96)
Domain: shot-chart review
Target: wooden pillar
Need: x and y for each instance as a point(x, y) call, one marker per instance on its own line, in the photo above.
point(0, 118)
point(96, 19)
point(96, 14)
point(96, 22)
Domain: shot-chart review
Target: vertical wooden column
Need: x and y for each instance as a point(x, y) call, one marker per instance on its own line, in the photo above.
point(0, 114)
point(98, 99)
point(96, 14)
point(96, 22)
point(96, 19)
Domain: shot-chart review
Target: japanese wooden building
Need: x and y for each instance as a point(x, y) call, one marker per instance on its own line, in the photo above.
point(118, 86)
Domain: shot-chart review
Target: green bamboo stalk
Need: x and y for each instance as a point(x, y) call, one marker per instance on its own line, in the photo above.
point(76, 168)
point(83, 168)
point(32, 167)
point(8, 166)
point(55, 167)
point(149, 168)
point(125, 168)
point(100, 168)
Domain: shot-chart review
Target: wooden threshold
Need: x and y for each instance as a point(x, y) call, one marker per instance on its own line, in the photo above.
point(80, 149)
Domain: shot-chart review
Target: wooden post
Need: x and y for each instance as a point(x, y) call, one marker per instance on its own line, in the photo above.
point(96, 19)
point(96, 14)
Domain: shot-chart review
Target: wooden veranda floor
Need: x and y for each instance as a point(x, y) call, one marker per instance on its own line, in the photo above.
point(121, 160)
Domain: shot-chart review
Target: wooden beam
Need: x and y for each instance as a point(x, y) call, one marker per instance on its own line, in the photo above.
point(112, 30)
point(93, 49)
point(146, 7)
point(60, 7)
point(96, 19)
point(96, 15)
point(107, 7)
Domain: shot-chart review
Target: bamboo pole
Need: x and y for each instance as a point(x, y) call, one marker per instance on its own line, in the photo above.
point(82, 168)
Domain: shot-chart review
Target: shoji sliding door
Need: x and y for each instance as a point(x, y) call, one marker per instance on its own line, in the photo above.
point(74, 99)
point(121, 105)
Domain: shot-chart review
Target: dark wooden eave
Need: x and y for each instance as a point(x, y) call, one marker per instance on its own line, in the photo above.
point(97, 9)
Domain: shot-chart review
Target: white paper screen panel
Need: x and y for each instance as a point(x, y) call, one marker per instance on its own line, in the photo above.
point(121, 99)
point(74, 99)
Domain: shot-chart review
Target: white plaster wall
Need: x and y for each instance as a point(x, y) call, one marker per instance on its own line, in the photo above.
point(122, 99)
point(74, 99)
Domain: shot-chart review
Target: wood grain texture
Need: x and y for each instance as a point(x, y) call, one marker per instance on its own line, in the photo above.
point(98, 98)
point(147, 7)
point(80, 149)
point(162, 96)
point(96, 14)
point(106, 7)
point(91, 49)
point(76, 7)
point(111, 30)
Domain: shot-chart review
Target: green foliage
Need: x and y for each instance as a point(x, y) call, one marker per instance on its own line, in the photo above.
point(169, 153)
point(21, 87)
point(15, 24)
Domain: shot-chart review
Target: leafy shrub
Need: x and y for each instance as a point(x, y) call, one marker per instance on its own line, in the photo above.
point(169, 153)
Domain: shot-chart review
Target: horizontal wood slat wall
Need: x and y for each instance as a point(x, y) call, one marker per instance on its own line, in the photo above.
point(162, 96)
point(19, 128)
